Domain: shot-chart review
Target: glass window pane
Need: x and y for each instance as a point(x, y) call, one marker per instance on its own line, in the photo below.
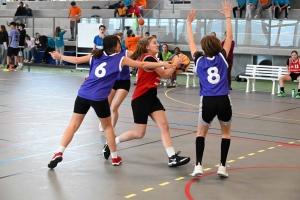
point(282, 33)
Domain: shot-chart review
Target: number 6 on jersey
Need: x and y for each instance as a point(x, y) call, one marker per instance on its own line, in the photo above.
point(100, 71)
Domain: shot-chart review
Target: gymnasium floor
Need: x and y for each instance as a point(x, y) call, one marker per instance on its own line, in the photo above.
point(35, 109)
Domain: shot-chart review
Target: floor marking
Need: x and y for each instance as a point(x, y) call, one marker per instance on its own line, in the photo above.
point(165, 183)
point(230, 161)
point(279, 145)
point(178, 179)
point(271, 147)
point(260, 151)
point(242, 157)
point(291, 142)
point(148, 189)
point(217, 165)
point(207, 169)
point(129, 196)
point(251, 154)
point(191, 174)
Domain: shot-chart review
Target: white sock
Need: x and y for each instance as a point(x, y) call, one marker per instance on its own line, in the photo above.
point(61, 149)
point(114, 154)
point(170, 151)
point(117, 141)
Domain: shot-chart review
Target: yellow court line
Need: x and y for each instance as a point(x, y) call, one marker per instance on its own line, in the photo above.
point(217, 165)
point(251, 154)
point(178, 179)
point(260, 151)
point(279, 145)
point(165, 183)
point(286, 119)
point(271, 147)
point(291, 142)
point(129, 196)
point(230, 161)
point(207, 169)
point(148, 189)
point(242, 157)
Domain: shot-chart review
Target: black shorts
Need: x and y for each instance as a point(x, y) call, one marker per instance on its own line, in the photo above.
point(12, 51)
point(122, 84)
point(215, 106)
point(294, 76)
point(144, 105)
point(83, 105)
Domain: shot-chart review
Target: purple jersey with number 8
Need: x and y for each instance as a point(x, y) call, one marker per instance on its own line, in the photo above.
point(212, 74)
point(103, 74)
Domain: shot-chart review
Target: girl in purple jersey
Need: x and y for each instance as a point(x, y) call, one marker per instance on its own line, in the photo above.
point(211, 67)
point(105, 67)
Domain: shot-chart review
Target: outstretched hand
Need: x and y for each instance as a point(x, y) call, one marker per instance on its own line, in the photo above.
point(169, 65)
point(226, 8)
point(55, 55)
point(191, 16)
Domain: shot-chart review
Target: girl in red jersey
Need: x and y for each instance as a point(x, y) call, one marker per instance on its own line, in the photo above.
point(293, 68)
point(145, 102)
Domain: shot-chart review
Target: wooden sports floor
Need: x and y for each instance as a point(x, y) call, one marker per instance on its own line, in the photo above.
point(36, 107)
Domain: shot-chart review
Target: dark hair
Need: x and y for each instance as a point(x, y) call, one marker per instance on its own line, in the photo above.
point(21, 3)
point(154, 36)
point(211, 45)
point(147, 33)
point(141, 48)
point(109, 43)
point(102, 26)
point(176, 48)
point(166, 46)
point(57, 31)
point(295, 52)
point(129, 32)
point(73, 3)
point(213, 33)
point(36, 33)
point(22, 25)
point(27, 36)
point(3, 28)
point(13, 23)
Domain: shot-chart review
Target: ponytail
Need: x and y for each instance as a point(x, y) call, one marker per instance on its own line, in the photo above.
point(97, 53)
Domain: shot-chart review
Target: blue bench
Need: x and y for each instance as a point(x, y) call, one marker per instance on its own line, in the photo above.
point(38, 57)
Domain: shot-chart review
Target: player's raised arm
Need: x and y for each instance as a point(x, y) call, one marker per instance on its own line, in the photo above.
point(191, 41)
point(227, 12)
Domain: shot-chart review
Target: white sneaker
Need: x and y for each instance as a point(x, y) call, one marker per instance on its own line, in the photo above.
point(222, 172)
point(100, 127)
point(197, 170)
point(25, 61)
point(255, 16)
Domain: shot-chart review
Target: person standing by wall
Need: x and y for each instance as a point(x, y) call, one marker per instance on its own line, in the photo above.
point(59, 42)
point(13, 47)
point(229, 60)
point(3, 45)
point(98, 39)
point(74, 15)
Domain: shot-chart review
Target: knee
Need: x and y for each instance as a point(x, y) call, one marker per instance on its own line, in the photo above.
point(164, 126)
point(114, 109)
point(140, 135)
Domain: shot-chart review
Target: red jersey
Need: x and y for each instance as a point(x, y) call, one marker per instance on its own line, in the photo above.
point(294, 66)
point(146, 79)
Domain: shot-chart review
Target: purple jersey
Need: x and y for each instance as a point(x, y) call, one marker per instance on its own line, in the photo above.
point(14, 34)
point(103, 74)
point(212, 74)
point(124, 74)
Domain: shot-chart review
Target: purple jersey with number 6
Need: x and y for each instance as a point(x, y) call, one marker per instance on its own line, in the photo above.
point(103, 74)
point(212, 74)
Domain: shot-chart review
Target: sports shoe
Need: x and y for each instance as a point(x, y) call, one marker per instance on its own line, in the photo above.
point(116, 161)
point(100, 127)
point(222, 172)
point(106, 151)
point(197, 170)
point(176, 160)
point(55, 160)
point(6, 70)
point(298, 95)
point(281, 94)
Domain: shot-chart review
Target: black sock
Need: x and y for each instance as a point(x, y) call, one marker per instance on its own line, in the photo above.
point(225, 144)
point(200, 144)
point(282, 89)
point(7, 66)
point(298, 90)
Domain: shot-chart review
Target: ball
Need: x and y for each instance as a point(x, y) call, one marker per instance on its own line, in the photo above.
point(141, 21)
point(184, 66)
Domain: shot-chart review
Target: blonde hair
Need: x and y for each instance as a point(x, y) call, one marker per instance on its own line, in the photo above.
point(141, 48)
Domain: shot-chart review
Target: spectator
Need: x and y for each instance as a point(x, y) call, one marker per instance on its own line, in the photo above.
point(282, 5)
point(271, 8)
point(121, 9)
point(240, 7)
point(142, 4)
point(160, 47)
point(38, 45)
point(147, 34)
point(131, 41)
point(293, 74)
point(50, 47)
point(174, 76)
point(3, 44)
point(164, 55)
point(13, 47)
point(21, 43)
point(262, 5)
point(74, 15)
point(98, 39)
point(20, 13)
point(134, 10)
point(213, 34)
point(250, 8)
point(59, 42)
point(127, 3)
point(29, 10)
point(229, 60)
point(113, 6)
point(28, 52)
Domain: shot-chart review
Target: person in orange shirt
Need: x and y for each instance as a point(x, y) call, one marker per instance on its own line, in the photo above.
point(142, 4)
point(74, 15)
point(262, 4)
point(131, 41)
